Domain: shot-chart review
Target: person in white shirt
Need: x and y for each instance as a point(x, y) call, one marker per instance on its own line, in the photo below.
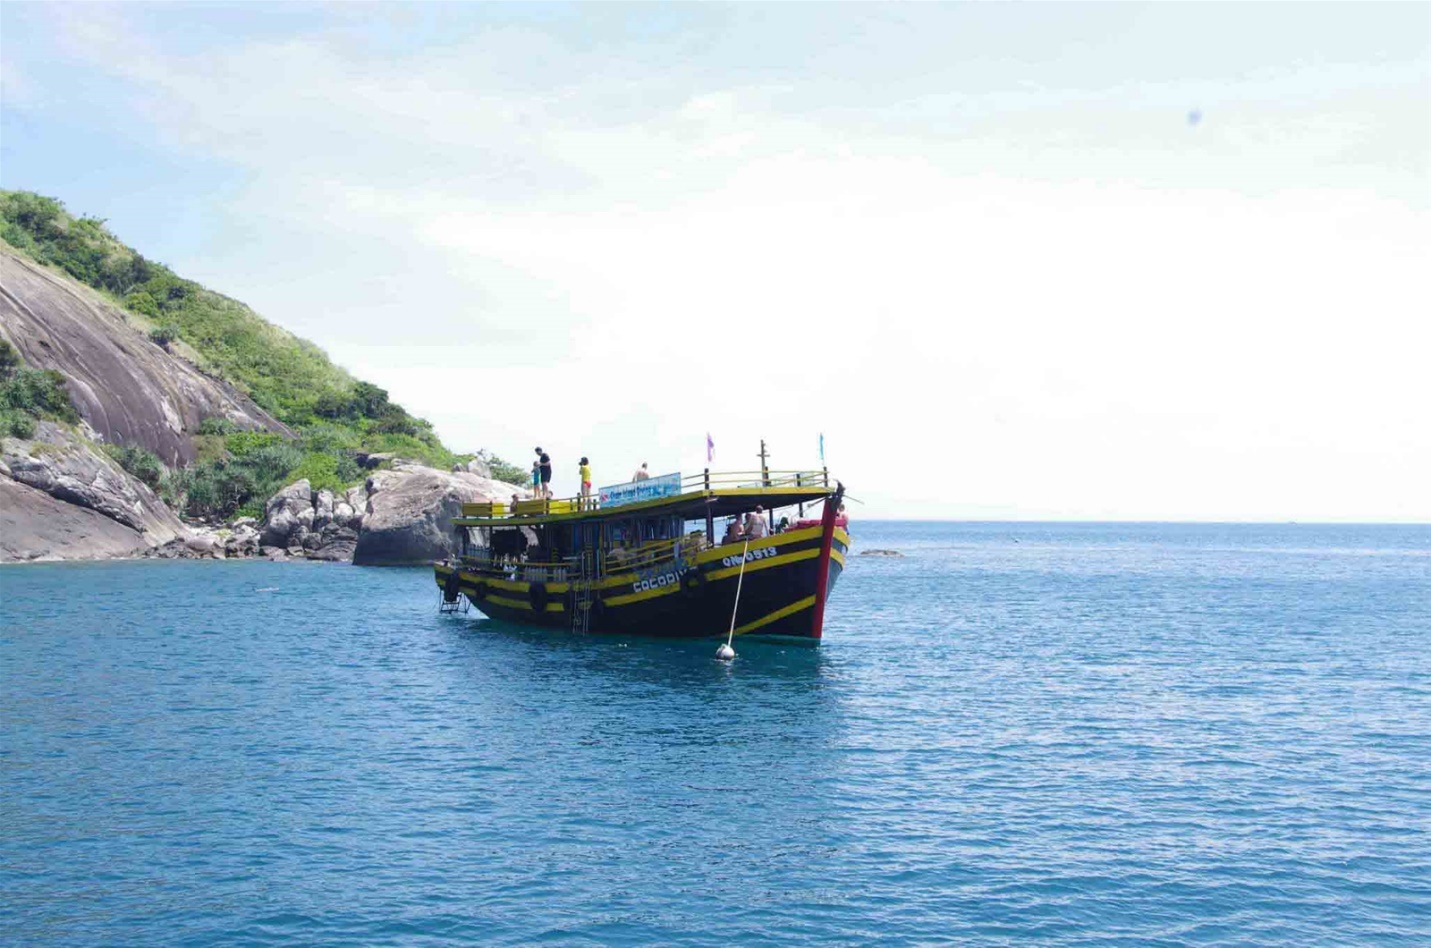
point(755, 525)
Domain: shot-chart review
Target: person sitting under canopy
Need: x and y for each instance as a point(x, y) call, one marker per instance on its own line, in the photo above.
point(733, 531)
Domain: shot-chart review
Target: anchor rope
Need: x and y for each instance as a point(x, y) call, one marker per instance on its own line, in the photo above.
point(739, 581)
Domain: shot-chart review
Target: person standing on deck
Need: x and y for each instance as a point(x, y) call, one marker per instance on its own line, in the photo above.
point(536, 479)
point(544, 469)
point(755, 525)
point(585, 470)
point(641, 473)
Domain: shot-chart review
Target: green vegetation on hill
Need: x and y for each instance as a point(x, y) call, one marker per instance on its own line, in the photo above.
point(28, 395)
point(335, 415)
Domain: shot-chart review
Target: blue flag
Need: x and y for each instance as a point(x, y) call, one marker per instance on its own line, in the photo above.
point(822, 447)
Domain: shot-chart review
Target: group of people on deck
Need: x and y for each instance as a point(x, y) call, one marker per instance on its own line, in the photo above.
point(753, 527)
point(542, 477)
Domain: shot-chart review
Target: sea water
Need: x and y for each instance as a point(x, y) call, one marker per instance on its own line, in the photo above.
point(1013, 733)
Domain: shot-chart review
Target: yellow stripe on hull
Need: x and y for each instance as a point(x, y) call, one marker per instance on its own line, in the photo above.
point(521, 604)
point(794, 607)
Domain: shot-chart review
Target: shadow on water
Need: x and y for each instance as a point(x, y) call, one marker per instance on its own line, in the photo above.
point(645, 698)
point(648, 659)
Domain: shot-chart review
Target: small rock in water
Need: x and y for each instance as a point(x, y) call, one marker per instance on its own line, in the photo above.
point(880, 553)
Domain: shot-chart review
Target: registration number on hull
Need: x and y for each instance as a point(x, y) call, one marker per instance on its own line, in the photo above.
point(760, 554)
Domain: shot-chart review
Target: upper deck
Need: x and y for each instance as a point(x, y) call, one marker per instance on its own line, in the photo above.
point(693, 497)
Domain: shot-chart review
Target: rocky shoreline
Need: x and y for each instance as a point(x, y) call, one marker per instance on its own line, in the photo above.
point(61, 499)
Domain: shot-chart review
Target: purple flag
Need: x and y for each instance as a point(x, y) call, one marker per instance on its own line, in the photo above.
point(710, 448)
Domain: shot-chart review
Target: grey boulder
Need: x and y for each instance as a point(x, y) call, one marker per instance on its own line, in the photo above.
point(409, 513)
point(286, 514)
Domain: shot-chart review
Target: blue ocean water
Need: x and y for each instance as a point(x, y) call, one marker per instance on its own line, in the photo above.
point(1014, 733)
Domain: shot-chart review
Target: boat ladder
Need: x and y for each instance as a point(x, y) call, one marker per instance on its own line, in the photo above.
point(582, 593)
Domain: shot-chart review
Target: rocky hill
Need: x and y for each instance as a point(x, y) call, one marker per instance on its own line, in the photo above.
point(142, 413)
point(128, 389)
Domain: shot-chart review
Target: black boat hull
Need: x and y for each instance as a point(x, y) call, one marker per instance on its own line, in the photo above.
point(780, 593)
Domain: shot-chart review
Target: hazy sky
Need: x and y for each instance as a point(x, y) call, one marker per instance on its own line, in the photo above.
point(1014, 260)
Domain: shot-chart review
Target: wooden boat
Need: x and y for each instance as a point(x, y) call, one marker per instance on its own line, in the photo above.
point(638, 558)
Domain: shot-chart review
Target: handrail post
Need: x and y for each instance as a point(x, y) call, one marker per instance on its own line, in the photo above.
point(708, 478)
point(826, 472)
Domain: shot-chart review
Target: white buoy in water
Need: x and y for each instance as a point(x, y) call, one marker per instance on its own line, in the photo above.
point(725, 653)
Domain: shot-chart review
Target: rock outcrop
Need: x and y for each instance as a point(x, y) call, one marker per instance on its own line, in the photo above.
point(124, 515)
point(475, 466)
point(410, 509)
point(299, 521)
point(127, 388)
point(36, 526)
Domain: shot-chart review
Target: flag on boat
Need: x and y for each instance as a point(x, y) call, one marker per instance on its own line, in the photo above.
point(822, 447)
point(710, 448)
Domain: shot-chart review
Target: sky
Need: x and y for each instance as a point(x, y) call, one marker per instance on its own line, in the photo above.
point(1014, 261)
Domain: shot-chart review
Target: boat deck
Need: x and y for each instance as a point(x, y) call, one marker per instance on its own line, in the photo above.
point(695, 497)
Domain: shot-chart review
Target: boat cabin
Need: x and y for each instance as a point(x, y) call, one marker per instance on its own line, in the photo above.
point(630, 527)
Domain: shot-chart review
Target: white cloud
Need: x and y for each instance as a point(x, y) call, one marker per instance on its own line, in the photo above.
point(1097, 339)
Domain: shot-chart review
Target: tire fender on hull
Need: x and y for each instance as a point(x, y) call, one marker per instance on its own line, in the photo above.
point(694, 582)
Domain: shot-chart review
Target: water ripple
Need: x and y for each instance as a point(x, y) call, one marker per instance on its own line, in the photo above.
point(1121, 735)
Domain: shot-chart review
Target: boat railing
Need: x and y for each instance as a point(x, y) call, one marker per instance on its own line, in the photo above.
point(652, 554)
point(690, 484)
point(530, 571)
point(727, 480)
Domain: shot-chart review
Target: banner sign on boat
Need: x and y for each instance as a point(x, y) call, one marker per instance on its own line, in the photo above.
point(667, 485)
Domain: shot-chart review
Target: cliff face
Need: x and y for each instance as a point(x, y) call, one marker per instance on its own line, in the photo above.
point(62, 499)
point(125, 387)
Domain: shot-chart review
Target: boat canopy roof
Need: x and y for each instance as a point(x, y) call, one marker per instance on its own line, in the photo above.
point(691, 498)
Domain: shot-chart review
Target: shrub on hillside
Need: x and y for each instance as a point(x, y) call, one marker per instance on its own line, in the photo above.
point(330, 438)
point(209, 448)
point(274, 465)
point(9, 360)
point(213, 490)
point(142, 463)
point(14, 424)
point(369, 400)
point(217, 425)
point(28, 395)
point(397, 424)
point(142, 303)
point(242, 443)
point(39, 393)
point(164, 334)
point(334, 404)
